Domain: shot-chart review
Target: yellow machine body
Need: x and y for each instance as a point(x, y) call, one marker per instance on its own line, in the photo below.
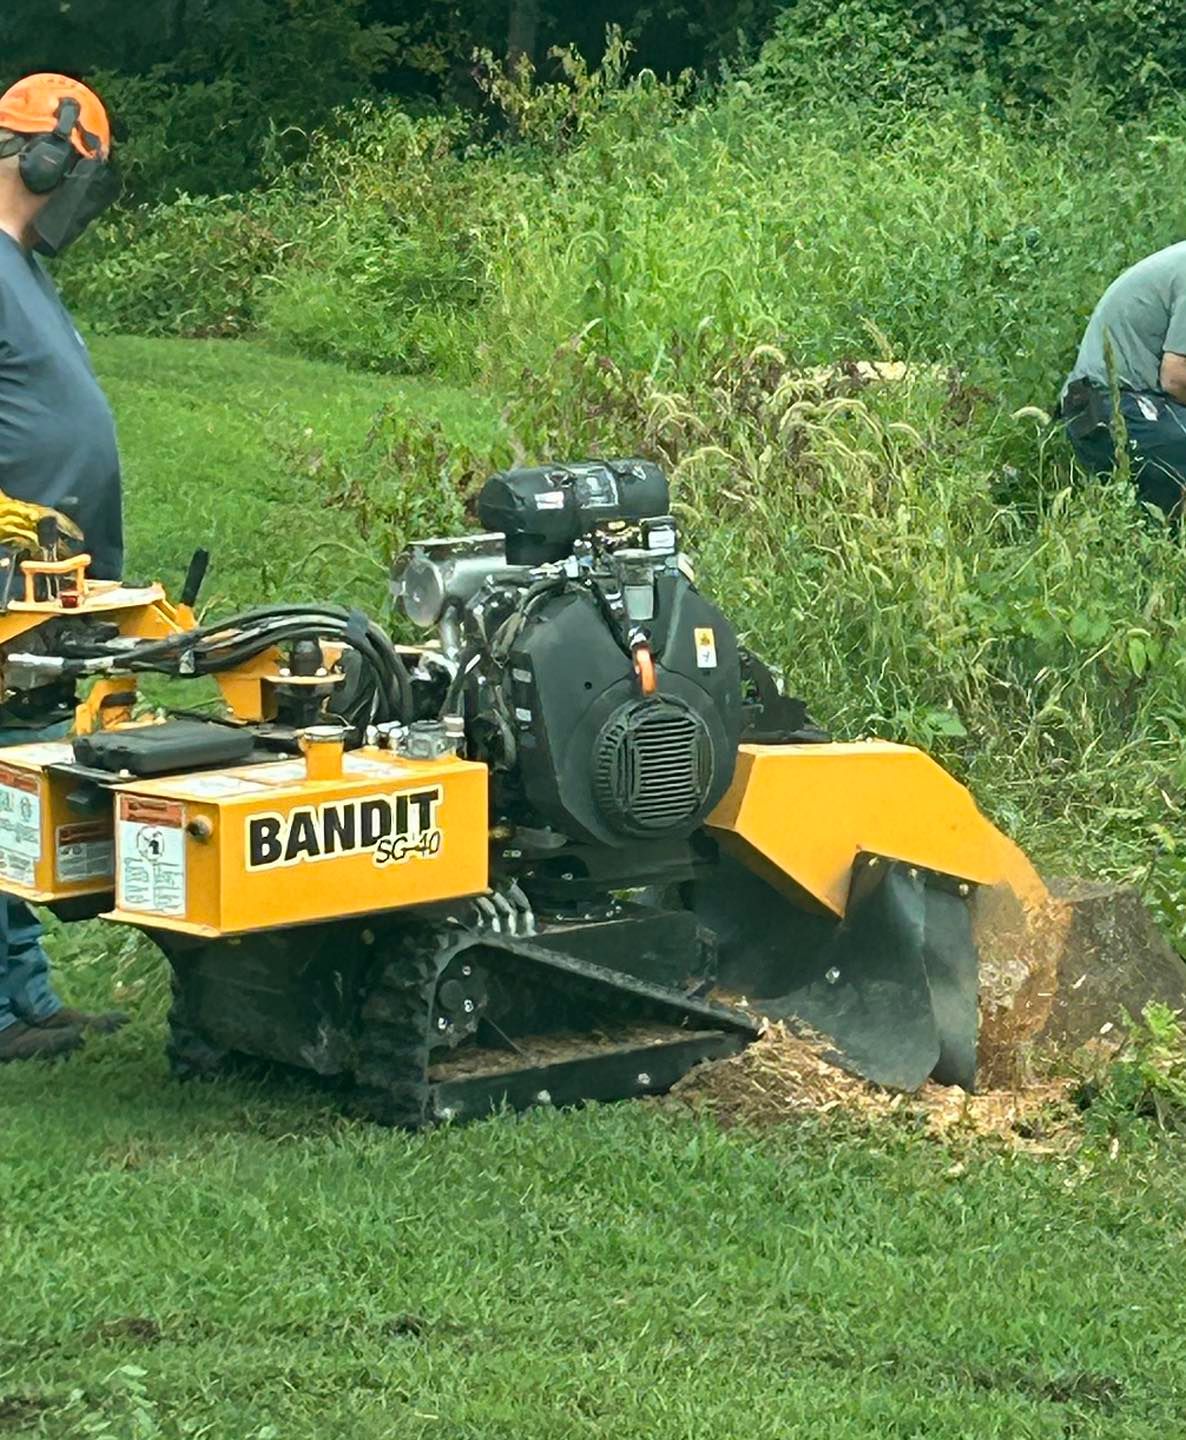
point(799, 816)
point(49, 850)
point(142, 610)
point(263, 847)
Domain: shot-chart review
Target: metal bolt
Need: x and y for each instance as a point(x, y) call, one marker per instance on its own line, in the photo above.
point(872, 861)
point(448, 1113)
point(965, 891)
point(321, 670)
point(913, 873)
point(831, 975)
point(543, 1097)
point(644, 1079)
point(368, 937)
point(467, 969)
point(468, 1007)
point(442, 1023)
point(285, 672)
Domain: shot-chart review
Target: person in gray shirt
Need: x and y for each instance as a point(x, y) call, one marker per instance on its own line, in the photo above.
point(57, 447)
point(1136, 340)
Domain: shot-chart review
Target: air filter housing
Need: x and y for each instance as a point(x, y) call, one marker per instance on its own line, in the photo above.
point(545, 509)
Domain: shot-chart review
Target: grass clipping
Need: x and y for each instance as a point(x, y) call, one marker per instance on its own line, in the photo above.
point(784, 1076)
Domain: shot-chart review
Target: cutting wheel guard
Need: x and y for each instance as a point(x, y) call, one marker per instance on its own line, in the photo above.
point(892, 986)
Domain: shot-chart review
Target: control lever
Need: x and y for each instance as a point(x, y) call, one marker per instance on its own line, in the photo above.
point(198, 565)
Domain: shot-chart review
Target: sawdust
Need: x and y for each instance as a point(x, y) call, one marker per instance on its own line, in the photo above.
point(552, 1049)
point(784, 1076)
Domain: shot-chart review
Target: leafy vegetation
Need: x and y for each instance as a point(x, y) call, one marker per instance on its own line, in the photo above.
point(1009, 53)
point(637, 265)
point(236, 1259)
point(210, 98)
point(943, 233)
point(696, 279)
point(1143, 1085)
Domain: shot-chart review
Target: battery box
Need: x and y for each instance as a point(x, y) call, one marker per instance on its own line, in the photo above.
point(262, 846)
point(56, 831)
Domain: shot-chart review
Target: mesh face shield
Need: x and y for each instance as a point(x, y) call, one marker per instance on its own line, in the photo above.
point(88, 189)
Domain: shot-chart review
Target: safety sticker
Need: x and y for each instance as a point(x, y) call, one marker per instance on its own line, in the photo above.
point(85, 851)
point(220, 787)
point(596, 485)
point(364, 765)
point(20, 826)
point(151, 841)
point(47, 752)
point(282, 773)
point(706, 648)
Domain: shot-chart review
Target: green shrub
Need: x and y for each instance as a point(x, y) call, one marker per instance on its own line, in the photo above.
point(1007, 51)
point(190, 268)
point(1144, 1083)
point(939, 233)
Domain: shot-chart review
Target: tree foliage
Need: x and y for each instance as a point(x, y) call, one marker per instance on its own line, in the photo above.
point(213, 96)
point(207, 92)
point(1013, 51)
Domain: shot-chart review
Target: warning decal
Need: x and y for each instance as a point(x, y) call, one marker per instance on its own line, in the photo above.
point(706, 648)
point(20, 826)
point(85, 851)
point(151, 850)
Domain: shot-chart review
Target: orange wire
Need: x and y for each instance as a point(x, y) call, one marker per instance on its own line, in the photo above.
point(644, 666)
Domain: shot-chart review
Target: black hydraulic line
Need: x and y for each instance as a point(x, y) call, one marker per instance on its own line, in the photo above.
point(519, 616)
point(469, 656)
point(221, 645)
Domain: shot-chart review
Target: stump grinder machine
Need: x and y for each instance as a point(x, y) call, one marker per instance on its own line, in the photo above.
point(571, 845)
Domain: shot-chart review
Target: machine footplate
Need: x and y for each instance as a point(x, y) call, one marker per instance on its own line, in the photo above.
point(616, 1071)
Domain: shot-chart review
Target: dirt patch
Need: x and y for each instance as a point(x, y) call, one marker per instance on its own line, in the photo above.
point(23, 1412)
point(139, 1329)
point(532, 1050)
point(784, 1075)
point(1100, 1392)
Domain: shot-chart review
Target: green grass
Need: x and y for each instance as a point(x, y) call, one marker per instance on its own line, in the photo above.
point(235, 1260)
point(221, 443)
point(264, 1264)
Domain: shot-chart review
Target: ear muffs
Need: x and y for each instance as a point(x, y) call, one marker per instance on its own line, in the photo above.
point(47, 159)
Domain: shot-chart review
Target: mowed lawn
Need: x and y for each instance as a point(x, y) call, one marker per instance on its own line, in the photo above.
point(236, 1261)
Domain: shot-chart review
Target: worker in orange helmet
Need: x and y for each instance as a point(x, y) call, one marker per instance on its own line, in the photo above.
point(57, 444)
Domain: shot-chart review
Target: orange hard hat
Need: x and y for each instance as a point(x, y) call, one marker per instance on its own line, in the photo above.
point(30, 107)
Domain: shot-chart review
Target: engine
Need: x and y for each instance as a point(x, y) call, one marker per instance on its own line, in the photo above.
point(602, 689)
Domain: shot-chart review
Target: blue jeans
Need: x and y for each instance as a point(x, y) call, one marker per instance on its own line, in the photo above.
point(1156, 427)
point(26, 992)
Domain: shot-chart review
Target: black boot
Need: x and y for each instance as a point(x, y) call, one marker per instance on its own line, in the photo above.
point(29, 1042)
point(106, 1023)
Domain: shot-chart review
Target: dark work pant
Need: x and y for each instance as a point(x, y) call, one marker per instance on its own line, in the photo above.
point(1156, 444)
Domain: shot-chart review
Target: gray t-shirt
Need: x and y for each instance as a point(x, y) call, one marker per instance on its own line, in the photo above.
point(57, 433)
point(1143, 311)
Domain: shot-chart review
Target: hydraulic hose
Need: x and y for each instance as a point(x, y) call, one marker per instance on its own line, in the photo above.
point(214, 648)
